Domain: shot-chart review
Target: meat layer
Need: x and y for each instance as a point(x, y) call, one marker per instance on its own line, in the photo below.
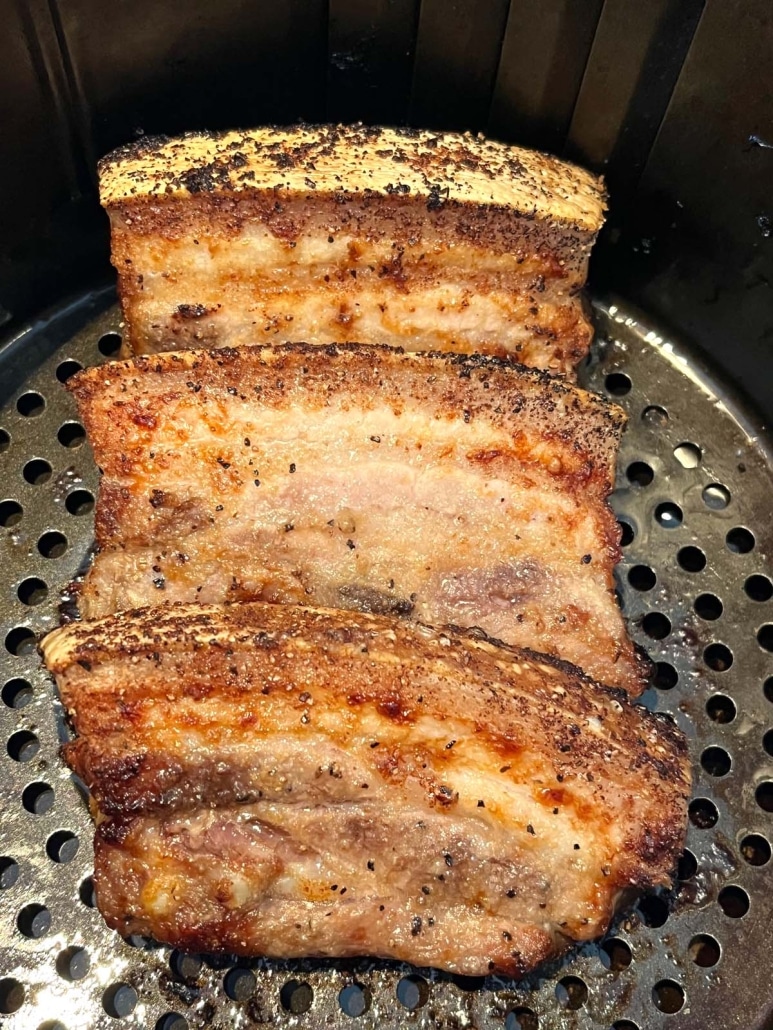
point(303, 782)
point(338, 234)
point(451, 489)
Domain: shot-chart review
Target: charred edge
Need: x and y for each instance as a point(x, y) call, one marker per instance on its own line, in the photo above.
point(80, 383)
point(478, 635)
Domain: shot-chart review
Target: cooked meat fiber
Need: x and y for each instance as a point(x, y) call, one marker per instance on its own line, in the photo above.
point(304, 782)
point(453, 489)
point(336, 234)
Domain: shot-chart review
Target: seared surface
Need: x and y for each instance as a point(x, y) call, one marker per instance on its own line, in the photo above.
point(456, 490)
point(348, 233)
point(291, 781)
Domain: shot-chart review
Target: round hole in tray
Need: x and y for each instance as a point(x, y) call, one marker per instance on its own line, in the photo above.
point(184, 965)
point(37, 471)
point(12, 995)
point(571, 992)
point(9, 872)
point(656, 625)
point(734, 901)
point(688, 865)
point(73, 963)
point(62, 846)
point(765, 637)
point(5, 441)
point(217, 961)
point(20, 641)
point(38, 798)
point(703, 813)
point(718, 657)
point(109, 344)
point(627, 532)
point(10, 514)
point(641, 577)
point(740, 540)
point(52, 544)
point(32, 591)
point(119, 1000)
point(767, 743)
point(758, 588)
point(79, 502)
point(708, 607)
point(764, 795)
point(71, 434)
point(668, 996)
point(67, 368)
point(354, 1000)
point(721, 708)
point(86, 893)
point(17, 693)
point(23, 745)
point(691, 559)
point(664, 676)
point(522, 1018)
point(31, 404)
point(52, 1024)
point(172, 1021)
point(412, 992)
point(668, 515)
point(688, 455)
point(239, 983)
point(296, 996)
point(467, 983)
point(767, 689)
point(618, 384)
point(704, 950)
point(615, 954)
point(34, 921)
point(716, 761)
point(625, 1024)
point(755, 849)
point(653, 910)
point(716, 496)
point(639, 473)
point(655, 416)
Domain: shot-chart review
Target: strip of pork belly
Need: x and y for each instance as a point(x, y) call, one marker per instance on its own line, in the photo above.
point(335, 234)
point(457, 490)
point(294, 781)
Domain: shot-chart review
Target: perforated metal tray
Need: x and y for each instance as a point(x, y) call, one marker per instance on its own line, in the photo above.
point(694, 497)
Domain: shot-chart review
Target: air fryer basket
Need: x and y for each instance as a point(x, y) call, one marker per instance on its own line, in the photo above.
point(693, 495)
point(668, 98)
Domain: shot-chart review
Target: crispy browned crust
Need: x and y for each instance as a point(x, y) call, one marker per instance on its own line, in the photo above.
point(208, 457)
point(187, 708)
point(552, 423)
point(430, 240)
point(439, 167)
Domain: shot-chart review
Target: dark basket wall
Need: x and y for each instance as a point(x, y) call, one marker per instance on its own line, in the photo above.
point(672, 99)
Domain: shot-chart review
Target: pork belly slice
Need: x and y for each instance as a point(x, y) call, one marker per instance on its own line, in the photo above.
point(454, 489)
point(334, 234)
point(296, 782)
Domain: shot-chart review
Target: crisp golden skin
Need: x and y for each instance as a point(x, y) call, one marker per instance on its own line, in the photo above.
point(333, 234)
point(452, 489)
point(304, 782)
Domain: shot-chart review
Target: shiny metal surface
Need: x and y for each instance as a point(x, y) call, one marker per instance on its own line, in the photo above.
point(694, 490)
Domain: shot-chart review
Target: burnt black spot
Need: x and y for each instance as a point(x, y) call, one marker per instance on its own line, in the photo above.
point(372, 601)
point(192, 310)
